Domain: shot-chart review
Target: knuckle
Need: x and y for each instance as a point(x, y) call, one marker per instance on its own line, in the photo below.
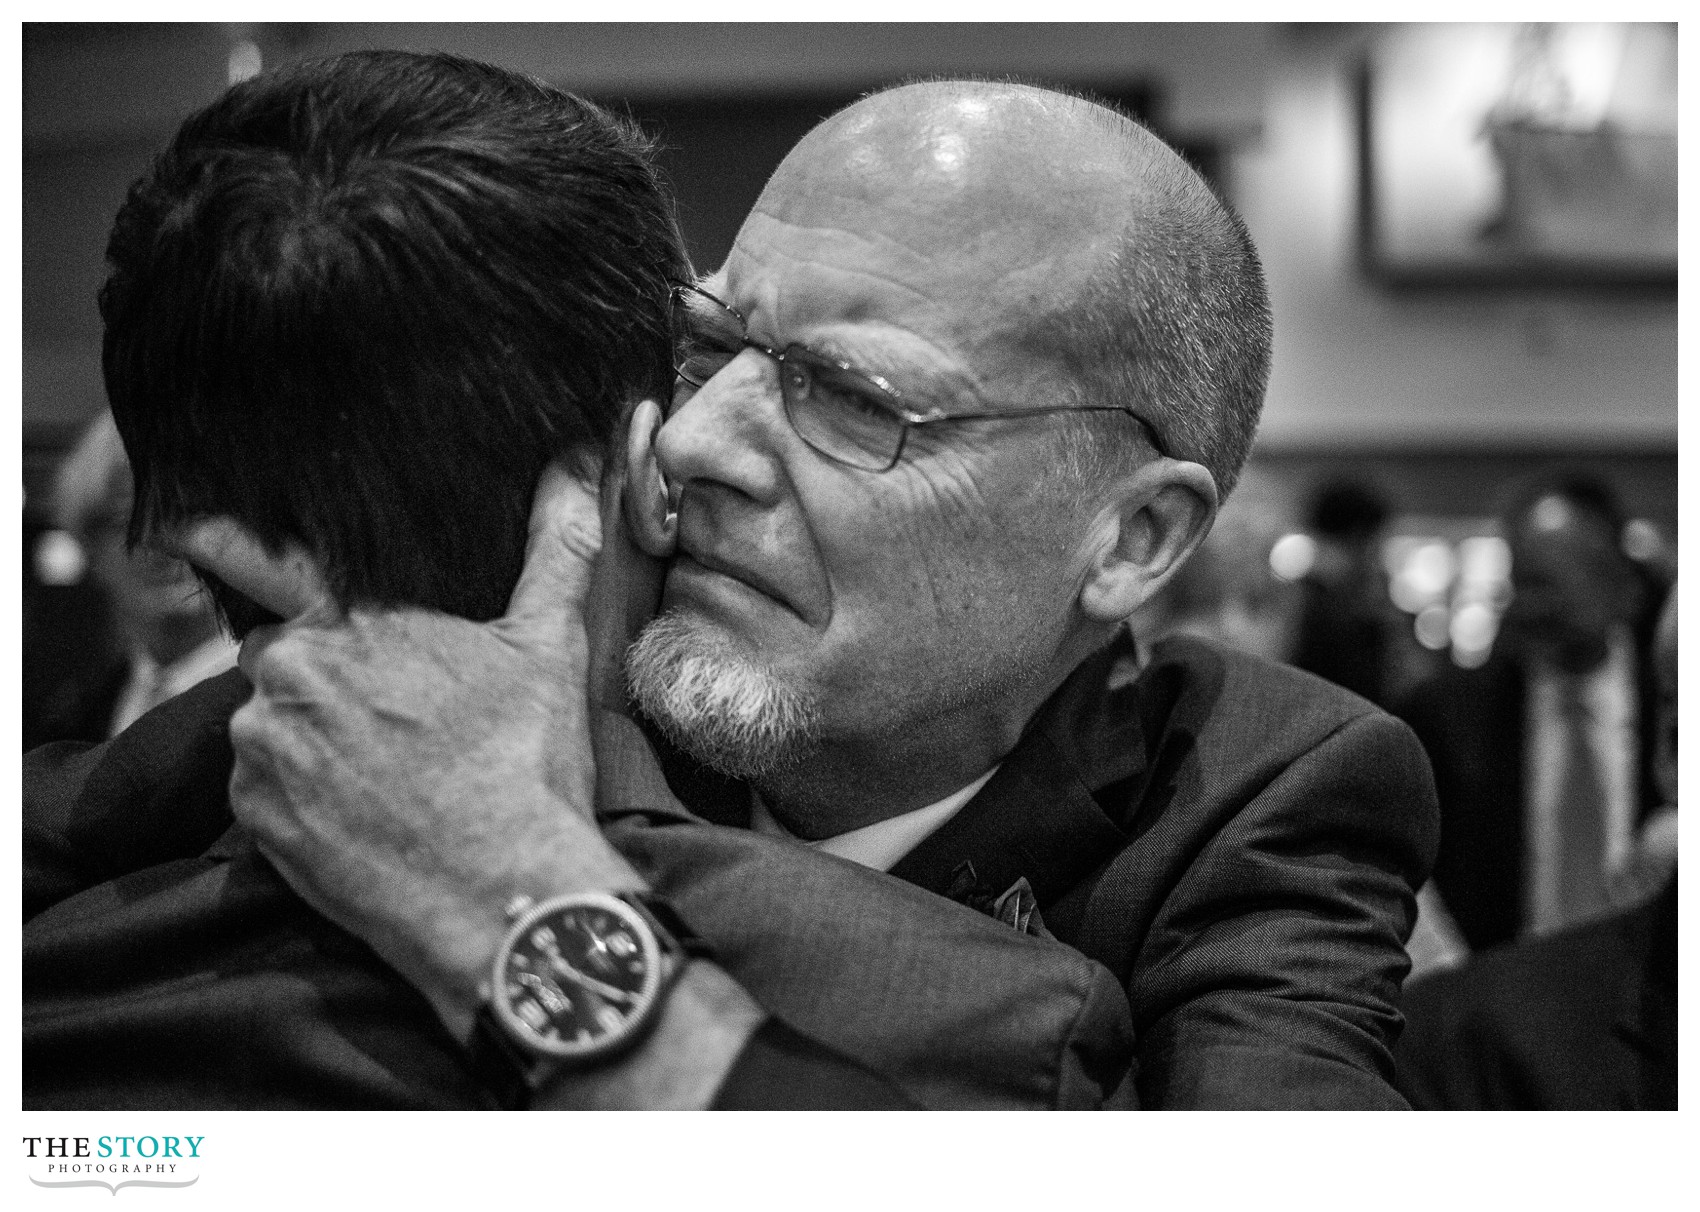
point(271, 663)
point(247, 728)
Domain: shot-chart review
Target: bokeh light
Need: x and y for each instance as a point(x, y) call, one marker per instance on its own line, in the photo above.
point(1292, 556)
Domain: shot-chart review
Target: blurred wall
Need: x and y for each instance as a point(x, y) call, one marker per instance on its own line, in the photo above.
point(99, 100)
point(1357, 366)
point(1491, 374)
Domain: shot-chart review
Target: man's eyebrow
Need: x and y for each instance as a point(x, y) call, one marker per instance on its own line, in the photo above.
point(863, 354)
point(922, 382)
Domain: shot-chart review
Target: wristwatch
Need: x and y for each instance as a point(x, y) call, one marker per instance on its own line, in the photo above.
point(578, 979)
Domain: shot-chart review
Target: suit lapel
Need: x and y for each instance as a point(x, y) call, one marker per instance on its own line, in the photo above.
point(1038, 817)
point(1041, 816)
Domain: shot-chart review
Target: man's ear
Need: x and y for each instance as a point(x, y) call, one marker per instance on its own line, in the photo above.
point(648, 507)
point(287, 581)
point(1155, 520)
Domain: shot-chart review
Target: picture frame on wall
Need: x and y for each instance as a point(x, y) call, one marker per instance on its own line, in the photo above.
point(1507, 154)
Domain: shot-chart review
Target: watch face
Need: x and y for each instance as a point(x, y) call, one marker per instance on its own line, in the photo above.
point(577, 975)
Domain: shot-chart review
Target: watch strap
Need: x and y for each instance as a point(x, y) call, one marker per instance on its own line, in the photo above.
point(674, 933)
point(506, 1074)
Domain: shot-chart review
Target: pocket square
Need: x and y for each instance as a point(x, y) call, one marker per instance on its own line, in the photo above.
point(1017, 908)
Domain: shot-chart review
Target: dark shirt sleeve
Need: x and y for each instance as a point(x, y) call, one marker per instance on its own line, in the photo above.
point(782, 1070)
point(1271, 976)
point(164, 970)
point(156, 793)
point(1582, 1020)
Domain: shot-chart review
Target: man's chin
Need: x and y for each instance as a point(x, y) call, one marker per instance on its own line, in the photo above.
point(724, 709)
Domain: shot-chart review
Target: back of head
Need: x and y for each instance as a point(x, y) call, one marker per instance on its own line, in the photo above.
point(1348, 510)
point(359, 303)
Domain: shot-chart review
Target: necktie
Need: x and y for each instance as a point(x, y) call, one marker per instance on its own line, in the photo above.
point(1579, 886)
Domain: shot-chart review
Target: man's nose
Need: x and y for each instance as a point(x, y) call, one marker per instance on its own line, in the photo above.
point(729, 432)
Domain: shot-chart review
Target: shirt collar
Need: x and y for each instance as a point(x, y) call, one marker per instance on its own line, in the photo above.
point(214, 656)
point(881, 844)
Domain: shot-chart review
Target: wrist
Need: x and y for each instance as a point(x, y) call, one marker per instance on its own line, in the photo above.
point(452, 968)
point(578, 983)
point(682, 1063)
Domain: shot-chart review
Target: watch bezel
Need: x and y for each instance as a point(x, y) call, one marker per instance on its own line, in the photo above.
point(632, 1024)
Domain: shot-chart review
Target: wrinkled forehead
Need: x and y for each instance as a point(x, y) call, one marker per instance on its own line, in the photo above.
point(967, 203)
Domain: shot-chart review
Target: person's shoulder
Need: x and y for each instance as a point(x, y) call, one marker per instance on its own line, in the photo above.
point(1284, 744)
point(157, 791)
point(1564, 970)
point(1249, 694)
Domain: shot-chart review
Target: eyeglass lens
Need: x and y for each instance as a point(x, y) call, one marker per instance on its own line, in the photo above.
point(831, 408)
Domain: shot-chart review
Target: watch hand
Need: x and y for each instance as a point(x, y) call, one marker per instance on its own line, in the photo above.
point(550, 994)
point(590, 982)
point(598, 952)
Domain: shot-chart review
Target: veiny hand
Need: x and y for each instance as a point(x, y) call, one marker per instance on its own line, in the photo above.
point(408, 772)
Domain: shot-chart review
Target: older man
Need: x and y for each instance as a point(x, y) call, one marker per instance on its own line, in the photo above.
point(967, 392)
point(354, 309)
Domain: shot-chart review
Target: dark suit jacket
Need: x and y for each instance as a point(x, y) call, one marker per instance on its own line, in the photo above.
point(167, 965)
point(1237, 841)
point(1580, 1020)
point(80, 708)
point(1471, 723)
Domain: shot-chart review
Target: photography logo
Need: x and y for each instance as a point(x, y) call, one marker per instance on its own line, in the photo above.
point(113, 1162)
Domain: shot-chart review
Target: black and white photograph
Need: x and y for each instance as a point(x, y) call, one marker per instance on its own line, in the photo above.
point(844, 566)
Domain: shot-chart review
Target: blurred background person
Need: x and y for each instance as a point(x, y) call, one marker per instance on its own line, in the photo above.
point(1543, 754)
point(1651, 862)
point(1348, 624)
point(1584, 1019)
point(158, 634)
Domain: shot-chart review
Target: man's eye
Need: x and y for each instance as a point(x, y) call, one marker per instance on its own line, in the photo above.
point(851, 400)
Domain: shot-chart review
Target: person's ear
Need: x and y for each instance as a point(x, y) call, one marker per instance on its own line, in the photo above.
point(649, 509)
point(1155, 519)
point(286, 580)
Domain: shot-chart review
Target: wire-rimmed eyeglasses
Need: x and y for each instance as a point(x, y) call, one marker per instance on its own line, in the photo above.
point(850, 416)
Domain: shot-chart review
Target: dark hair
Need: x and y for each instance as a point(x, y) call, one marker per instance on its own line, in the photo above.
point(1347, 509)
point(1578, 487)
point(360, 303)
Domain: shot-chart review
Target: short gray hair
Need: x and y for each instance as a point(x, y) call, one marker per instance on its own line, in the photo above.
point(1175, 324)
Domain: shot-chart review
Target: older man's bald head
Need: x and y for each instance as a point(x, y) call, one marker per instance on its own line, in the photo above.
point(1106, 254)
point(1007, 153)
